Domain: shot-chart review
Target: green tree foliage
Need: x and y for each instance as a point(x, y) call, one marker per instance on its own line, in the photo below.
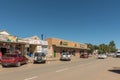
point(103, 48)
point(112, 47)
point(92, 47)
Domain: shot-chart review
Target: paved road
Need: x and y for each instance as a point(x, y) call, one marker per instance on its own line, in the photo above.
point(79, 69)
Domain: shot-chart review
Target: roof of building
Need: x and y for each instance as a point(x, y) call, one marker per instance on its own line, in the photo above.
point(4, 32)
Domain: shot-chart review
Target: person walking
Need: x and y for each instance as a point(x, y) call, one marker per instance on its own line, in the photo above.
point(0, 55)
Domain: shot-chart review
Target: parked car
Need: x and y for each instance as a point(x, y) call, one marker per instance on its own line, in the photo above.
point(118, 53)
point(39, 57)
point(85, 55)
point(13, 60)
point(102, 56)
point(65, 56)
point(111, 54)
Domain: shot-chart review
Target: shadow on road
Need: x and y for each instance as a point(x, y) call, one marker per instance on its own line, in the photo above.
point(115, 70)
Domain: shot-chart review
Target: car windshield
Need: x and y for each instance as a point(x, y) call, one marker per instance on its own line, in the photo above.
point(39, 54)
point(65, 53)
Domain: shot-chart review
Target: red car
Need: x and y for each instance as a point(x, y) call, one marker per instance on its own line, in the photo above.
point(84, 55)
point(13, 59)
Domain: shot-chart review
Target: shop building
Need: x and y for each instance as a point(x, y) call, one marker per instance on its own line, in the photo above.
point(35, 44)
point(10, 43)
point(25, 46)
point(57, 46)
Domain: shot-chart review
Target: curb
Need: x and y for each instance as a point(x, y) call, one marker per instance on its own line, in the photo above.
point(53, 59)
point(0, 67)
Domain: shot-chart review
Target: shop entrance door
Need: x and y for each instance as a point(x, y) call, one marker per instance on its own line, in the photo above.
point(54, 53)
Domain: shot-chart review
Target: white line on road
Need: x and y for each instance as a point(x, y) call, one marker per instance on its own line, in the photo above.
point(31, 78)
point(62, 70)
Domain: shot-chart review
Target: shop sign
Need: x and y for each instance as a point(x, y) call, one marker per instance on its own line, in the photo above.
point(12, 39)
point(3, 38)
point(38, 42)
point(65, 43)
point(35, 42)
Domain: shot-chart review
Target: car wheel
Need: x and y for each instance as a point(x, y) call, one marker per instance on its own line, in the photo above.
point(18, 64)
point(4, 66)
point(44, 61)
point(34, 62)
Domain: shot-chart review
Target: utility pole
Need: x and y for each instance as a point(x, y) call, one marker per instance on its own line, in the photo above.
point(42, 36)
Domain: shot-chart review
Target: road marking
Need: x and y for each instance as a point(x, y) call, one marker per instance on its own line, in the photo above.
point(61, 70)
point(31, 78)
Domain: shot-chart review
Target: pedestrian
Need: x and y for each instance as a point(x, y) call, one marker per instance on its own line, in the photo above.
point(0, 55)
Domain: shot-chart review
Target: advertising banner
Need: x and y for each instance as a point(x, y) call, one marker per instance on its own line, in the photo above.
point(12, 39)
point(8, 38)
point(3, 37)
point(35, 41)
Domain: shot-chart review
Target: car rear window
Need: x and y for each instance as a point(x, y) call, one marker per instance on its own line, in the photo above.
point(65, 53)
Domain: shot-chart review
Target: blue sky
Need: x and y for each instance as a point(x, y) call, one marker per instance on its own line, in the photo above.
point(84, 21)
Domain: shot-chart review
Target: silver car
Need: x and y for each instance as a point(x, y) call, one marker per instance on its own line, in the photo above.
point(65, 56)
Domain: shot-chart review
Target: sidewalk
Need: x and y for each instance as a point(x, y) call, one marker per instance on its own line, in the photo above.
point(58, 58)
point(52, 59)
point(0, 67)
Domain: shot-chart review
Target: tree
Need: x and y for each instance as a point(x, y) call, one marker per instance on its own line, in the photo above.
point(103, 48)
point(112, 47)
point(92, 47)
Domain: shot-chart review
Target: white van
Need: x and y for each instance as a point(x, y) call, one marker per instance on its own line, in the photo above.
point(118, 53)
